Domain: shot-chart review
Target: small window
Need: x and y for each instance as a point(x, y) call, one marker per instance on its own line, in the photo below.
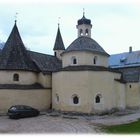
point(16, 77)
point(75, 99)
point(98, 99)
point(86, 31)
point(95, 60)
point(130, 86)
point(81, 32)
point(74, 60)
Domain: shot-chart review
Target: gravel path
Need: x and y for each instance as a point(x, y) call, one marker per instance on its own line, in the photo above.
point(45, 124)
point(116, 119)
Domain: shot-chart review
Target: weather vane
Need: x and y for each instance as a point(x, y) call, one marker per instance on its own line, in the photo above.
point(16, 17)
point(83, 11)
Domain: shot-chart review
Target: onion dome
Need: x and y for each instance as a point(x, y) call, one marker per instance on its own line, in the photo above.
point(84, 20)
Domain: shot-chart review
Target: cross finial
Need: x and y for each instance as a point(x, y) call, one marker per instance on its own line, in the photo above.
point(83, 12)
point(16, 17)
point(59, 21)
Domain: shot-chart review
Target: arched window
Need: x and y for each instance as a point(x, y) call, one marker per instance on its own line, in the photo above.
point(98, 98)
point(74, 60)
point(86, 31)
point(16, 77)
point(95, 60)
point(75, 99)
point(81, 32)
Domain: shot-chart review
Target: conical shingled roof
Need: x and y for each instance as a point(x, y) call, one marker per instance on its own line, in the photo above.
point(59, 45)
point(14, 55)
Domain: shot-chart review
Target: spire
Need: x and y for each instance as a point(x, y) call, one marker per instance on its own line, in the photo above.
point(83, 12)
point(59, 45)
point(14, 55)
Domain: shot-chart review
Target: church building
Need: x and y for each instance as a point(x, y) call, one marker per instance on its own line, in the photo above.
point(80, 78)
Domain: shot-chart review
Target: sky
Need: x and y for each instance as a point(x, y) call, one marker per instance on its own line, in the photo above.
point(115, 25)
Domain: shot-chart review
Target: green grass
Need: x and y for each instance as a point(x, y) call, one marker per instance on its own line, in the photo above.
point(132, 128)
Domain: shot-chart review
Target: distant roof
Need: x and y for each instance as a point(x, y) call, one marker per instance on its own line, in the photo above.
point(84, 43)
point(127, 59)
point(14, 55)
point(59, 45)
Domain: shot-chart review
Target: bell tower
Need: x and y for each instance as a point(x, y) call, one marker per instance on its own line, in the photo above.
point(84, 26)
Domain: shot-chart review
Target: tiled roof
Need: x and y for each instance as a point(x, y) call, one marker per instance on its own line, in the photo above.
point(128, 63)
point(59, 45)
point(1, 45)
point(126, 59)
point(14, 55)
point(46, 63)
point(84, 43)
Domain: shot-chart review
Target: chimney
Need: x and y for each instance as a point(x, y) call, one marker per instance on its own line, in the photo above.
point(130, 49)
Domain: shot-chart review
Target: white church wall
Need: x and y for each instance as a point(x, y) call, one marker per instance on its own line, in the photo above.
point(45, 80)
point(86, 85)
point(133, 94)
point(84, 58)
point(25, 77)
point(40, 98)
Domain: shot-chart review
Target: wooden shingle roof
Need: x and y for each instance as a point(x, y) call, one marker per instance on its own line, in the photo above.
point(84, 43)
point(59, 45)
point(14, 55)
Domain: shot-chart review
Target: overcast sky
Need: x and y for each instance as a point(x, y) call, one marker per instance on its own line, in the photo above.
point(116, 26)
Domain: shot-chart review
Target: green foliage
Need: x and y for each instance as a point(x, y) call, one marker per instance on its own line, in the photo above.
point(131, 128)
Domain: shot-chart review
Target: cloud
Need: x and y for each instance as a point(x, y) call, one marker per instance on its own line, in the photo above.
point(115, 26)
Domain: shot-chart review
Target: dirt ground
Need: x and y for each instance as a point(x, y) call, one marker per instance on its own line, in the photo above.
point(48, 124)
point(44, 124)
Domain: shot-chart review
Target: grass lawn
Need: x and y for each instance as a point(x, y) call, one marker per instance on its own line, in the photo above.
point(132, 128)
